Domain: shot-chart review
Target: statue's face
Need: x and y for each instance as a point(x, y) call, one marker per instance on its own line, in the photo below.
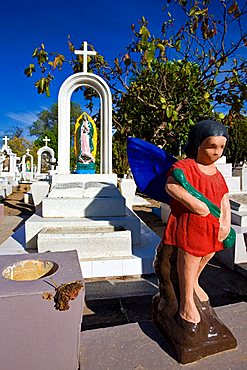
point(211, 149)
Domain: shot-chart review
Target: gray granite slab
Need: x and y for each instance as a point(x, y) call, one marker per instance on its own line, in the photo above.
point(140, 346)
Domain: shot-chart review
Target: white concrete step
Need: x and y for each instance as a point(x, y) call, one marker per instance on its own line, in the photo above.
point(140, 263)
point(89, 242)
point(36, 223)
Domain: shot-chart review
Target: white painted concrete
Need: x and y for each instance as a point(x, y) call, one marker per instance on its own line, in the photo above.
point(105, 178)
point(39, 191)
point(83, 207)
point(238, 253)
point(225, 169)
point(127, 188)
point(36, 223)
point(89, 243)
point(242, 173)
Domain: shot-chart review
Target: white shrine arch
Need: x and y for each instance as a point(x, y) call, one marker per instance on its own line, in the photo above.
point(40, 152)
point(64, 97)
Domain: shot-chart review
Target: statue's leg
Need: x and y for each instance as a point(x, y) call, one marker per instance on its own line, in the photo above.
point(162, 266)
point(201, 294)
point(188, 266)
point(165, 301)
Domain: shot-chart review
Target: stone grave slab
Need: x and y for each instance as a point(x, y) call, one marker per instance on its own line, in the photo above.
point(108, 178)
point(36, 223)
point(84, 199)
point(87, 189)
point(140, 346)
point(89, 242)
point(65, 190)
point(83, 207)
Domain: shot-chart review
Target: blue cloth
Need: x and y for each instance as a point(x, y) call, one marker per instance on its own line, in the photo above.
point(149, 165)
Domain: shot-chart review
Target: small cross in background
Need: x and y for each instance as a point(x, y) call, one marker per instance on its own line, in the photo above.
point(46, 140)
point(85, 54)
point(28, 151)
point(5, 139)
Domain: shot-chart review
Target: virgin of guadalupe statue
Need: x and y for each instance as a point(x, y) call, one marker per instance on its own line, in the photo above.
point(85, 144)
point(28, 166)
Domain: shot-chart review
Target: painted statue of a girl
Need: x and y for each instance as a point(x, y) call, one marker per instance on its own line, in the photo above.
point(183, 311)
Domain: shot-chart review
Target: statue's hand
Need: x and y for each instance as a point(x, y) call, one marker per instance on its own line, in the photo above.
point(223, 232)
point(202, 209)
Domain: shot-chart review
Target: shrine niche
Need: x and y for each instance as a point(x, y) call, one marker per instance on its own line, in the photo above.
point(46, 158)
point(85, 144)
point(6, 163)
point(8, 160)
point(45, 162)
point(27, 166)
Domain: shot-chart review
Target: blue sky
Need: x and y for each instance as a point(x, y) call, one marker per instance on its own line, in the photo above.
point(25, 24)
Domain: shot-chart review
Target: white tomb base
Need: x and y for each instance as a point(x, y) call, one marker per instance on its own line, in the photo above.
point(111, 241)
point(37, 223)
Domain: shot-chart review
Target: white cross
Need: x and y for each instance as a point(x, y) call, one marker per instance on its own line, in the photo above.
point(6, 139)
point(46, 140)
point(28, 151)
point(85, 54)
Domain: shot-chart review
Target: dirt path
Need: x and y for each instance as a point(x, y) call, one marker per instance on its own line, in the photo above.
point(15, 213)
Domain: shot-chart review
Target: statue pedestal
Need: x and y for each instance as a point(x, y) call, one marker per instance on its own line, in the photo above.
point(188, 341)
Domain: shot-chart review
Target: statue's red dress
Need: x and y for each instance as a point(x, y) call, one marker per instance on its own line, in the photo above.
point(195, 234)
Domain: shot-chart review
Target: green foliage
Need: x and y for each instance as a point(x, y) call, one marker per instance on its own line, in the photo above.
point(119, 150)
point(19, 145)
point(47, 125)
point(162, 104)
point(48, 119)
point(237, 150)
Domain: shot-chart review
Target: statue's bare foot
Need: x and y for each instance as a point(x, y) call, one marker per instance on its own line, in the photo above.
point(201, 294)
point(190, 313)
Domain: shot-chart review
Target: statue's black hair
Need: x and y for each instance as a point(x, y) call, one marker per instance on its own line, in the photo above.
point(201, 131)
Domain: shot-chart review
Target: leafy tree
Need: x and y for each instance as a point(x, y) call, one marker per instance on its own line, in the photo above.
point(162, 103)
point(47, 125)
point(19, 145)
point(48, 119)
point(237, 150)
point(163, 85)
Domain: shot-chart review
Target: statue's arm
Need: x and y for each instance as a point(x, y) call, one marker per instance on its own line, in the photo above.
point(225, 218)
point(183, 196)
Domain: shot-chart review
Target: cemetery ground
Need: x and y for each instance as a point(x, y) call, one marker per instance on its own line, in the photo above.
point(118, 301)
